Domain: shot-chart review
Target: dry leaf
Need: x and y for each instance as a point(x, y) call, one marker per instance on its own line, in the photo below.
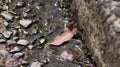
point(2, 26)
point(66, 35)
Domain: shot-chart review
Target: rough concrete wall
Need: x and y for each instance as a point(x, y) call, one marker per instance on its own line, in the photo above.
point(96, 34)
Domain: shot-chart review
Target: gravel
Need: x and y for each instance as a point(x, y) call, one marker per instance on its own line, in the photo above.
point(35, 64)
point(7, 34)
point(7, 15)
point(22, 42)
point(25, 23)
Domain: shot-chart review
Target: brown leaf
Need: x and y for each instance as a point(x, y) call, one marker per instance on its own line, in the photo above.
point(66, 35)
point(2, 26)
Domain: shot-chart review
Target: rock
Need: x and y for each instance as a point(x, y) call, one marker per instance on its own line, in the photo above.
point(22, 42)
point(20, 4)
point(6, 23)
point(117, 25)
point(5, 7)
point(7, 34)
point(34, 31)
point(36, 64)
point(116, 11)
point(15, 49)
point(4, 53)
point(25, 23)
point(30, 46)
point(66, 56)
point(7, 15)
point(15, 38)
point(42, 41)
point(9, 42)
point(2, 40)
point(18, 55)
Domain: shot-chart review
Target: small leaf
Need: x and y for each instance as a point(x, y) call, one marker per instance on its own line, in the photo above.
point(64, 36)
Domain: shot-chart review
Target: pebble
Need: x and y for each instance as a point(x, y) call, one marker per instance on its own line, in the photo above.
point(9, 42)
point(6, 23)
point(42, 41)
point(117, 25)
point(116, 11)
point(2, 40)
point(25, 23)
point(15, 49)
point(20, 4)
point(7, 15)
point(22, 42)
point(4, 53)
point(18, 55)
point(30, 46)
point(7, 34)
point(34, 31)
point(36, 64)
point(66, 56)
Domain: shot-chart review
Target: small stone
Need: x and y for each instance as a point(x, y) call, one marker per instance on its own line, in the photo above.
point(66, 56)
point(42, 41)
point(7, 34)
point(117, 25)
point(20, 4)
point(36, 64)
point(2, 40)
point(116, 11)
point(34, 31)
point(17, 55)
point(6, 23)
point(5, 7)
point(22, 42)
point(14, 32)
point(15, 49)
point(4, 53)
point(9, 42)
point(25, 23)
point(30, 46)
point(15, 38)
point(7, 15)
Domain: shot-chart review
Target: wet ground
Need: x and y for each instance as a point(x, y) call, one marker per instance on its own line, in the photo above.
point(27, 25)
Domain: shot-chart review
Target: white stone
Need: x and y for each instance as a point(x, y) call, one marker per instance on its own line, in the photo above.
point(2, 40)
point(4, 53)
point(36, 64)
point(42, 41)
point(7, 15)
point(6, 23)
point(11, 42)
point(19, 3)
point(22, 42)
point(66, 56)
point(15, 49)
point(7, 34)
point(30, 46)
point(18, 54)
point(25, 23)
point(117, 25)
